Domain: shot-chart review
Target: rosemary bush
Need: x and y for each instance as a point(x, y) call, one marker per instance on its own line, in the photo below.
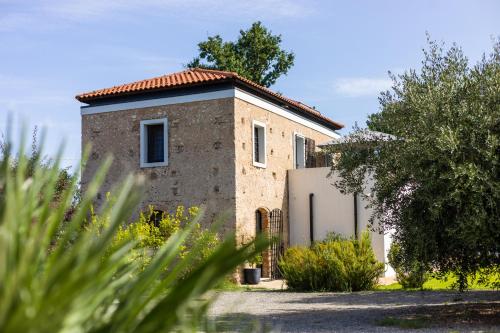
point(335, 264)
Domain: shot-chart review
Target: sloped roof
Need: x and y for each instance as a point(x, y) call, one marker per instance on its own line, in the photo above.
point(195, 76)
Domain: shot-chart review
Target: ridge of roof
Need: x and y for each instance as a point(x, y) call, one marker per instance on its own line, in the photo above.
point(194, 76)
point(218, 71)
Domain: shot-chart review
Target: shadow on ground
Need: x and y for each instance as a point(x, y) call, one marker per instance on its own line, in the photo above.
point(378, 298)
point(368, 311)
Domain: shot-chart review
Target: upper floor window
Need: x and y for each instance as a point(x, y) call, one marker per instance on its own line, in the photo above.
point(154, 143)
point(259, 144)
point(299, 147)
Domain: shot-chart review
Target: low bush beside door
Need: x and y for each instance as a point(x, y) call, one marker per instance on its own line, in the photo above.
point(335, 264)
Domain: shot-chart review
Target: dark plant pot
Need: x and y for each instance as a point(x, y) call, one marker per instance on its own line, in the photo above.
point(252, 275)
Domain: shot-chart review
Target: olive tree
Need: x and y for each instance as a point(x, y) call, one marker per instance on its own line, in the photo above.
point(437, 182)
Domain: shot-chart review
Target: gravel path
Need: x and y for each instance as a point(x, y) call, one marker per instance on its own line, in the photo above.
point(383, 311)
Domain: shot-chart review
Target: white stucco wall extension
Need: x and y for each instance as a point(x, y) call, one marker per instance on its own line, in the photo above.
point(331, 211)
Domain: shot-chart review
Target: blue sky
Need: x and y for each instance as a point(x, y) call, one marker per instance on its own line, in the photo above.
point(51, 50)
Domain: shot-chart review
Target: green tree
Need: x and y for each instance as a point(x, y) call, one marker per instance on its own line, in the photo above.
point(256, 55)
point(35, 158)
point(437, 184)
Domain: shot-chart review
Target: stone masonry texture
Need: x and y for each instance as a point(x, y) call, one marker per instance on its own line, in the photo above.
point(201, 155)
point(210, 159)
point(264, 187)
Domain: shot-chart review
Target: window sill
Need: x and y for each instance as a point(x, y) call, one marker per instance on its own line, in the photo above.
point(154, 165)
point(259, 165)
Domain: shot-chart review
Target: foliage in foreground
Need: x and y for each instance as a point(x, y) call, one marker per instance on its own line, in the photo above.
point(410, 274)
point(256, 55)
point(35, 158)
point(335, 264)
point(153, 229)
point(60, 276)
point(437, 183)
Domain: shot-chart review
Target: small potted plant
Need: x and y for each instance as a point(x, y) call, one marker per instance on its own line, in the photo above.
point(252, 274)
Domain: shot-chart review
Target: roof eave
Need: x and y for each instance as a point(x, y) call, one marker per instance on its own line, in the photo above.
point(232, 78)
point(89, 100)
point(280, 101)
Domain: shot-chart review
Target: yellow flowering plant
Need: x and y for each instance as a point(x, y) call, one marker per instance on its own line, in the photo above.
point(153, 228)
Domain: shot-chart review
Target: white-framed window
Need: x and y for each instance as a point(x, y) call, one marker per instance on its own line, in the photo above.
point(259, 144)
point(299, 151)
point(154, 142)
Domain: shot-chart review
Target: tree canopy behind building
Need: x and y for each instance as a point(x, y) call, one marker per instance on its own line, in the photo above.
point(256, 55)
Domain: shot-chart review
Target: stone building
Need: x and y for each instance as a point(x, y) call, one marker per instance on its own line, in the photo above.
point(206, 137)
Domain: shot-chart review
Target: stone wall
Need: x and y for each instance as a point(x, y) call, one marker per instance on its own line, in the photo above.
point(264, 187)
point(210, 159)
point(201, 154)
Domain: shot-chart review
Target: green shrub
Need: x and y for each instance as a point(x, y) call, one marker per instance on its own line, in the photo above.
point(58, 276)
point(409, 273)
point(336, 264)
point(149, 237)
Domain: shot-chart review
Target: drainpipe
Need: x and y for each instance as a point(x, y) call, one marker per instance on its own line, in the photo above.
point(356, 215)
point(311, 217)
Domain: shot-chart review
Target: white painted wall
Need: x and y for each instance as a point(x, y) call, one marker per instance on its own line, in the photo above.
point(333, 211)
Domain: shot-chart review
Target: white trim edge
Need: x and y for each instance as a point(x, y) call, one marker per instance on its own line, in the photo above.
point(143, 142)
point(243, 95)
point(264, 131)
point(226, 93)
point(294, 160)
point(157, 102)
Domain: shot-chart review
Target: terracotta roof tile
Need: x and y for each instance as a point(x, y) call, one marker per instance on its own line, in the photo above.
point(191, 77)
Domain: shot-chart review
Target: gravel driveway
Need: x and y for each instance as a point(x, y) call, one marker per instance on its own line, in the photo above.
point(383, 311)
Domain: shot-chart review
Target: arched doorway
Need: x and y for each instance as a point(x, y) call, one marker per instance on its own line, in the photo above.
point(262, 226)
point(258, 222)
point(270, 223)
